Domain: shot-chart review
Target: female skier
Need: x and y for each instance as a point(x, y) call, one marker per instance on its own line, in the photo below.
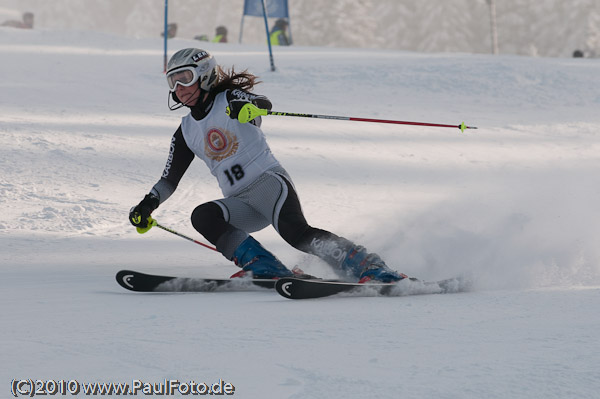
point(257, 190)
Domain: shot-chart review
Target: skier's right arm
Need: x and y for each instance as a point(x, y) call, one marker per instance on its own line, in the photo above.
point(180, 158)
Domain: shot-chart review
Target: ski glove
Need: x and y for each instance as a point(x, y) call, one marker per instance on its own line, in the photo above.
point(244, 111)
point(139, 215)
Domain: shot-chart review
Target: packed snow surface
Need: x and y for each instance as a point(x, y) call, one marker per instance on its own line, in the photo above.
point(85, 133)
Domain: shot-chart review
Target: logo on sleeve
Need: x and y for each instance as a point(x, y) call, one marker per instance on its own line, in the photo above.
point(220, 144)
point(169, 159)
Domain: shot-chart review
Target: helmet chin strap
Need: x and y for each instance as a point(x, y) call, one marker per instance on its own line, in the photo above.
point(175, 106)
point(179, 104)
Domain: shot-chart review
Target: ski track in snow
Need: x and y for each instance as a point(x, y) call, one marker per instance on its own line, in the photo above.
point(84, 134)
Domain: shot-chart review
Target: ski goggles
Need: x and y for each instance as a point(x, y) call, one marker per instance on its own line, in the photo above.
point(185, 76)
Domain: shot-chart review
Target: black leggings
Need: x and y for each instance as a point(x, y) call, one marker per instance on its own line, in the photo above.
point(208, 219)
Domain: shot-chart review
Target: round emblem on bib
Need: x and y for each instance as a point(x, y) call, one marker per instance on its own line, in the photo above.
point(220, 144)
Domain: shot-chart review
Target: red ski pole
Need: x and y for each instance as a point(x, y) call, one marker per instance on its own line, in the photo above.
point(183, 236)
point(461, 126)
point(250, 111)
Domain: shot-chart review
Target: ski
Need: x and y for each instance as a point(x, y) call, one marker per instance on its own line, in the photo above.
point(142, 282)
point(294, 288)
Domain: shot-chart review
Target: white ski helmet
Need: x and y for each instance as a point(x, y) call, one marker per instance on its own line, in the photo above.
point(190, 65)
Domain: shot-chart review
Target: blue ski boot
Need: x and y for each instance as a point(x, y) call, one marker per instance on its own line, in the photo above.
point(369, 267)
point(252, 257)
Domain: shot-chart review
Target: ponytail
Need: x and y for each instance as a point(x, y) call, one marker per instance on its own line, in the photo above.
point(230, 80)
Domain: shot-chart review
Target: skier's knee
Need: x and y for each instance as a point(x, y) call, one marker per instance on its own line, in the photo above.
point(205, 216)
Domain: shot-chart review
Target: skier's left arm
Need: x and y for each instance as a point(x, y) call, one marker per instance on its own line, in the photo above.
point(240, 106)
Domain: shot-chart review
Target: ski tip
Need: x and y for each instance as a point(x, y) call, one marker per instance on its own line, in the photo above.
point(124, 279)
point(283, 288)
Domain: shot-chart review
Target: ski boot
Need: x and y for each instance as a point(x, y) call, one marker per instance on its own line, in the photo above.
point(369, 267)
point(254, 258)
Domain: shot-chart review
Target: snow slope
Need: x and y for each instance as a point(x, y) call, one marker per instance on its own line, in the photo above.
point(84, 132)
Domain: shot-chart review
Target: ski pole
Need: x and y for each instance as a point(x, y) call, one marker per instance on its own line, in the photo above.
point(155, 223)
point(250, 111)
point(462, 126)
